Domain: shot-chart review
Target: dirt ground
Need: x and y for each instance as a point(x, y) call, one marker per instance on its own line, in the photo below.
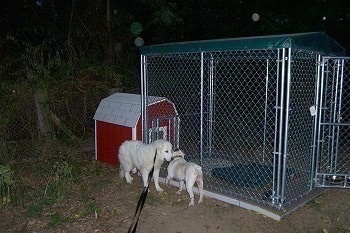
point(99, 201)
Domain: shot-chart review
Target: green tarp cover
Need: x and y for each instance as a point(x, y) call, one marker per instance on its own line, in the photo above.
point(318, 42)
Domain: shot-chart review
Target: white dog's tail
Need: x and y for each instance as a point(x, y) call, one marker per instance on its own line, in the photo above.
point(198, 171)
point(197, 167)
point(199, 181)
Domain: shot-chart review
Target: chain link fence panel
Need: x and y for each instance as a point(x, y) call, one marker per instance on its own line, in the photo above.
point(72, 103)
point(244, 116)
point(333, 166)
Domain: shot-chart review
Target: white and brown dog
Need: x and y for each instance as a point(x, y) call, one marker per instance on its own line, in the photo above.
point(188, 172)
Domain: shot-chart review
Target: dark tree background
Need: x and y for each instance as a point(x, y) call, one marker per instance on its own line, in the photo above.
point(44, 40)
point(100, 25)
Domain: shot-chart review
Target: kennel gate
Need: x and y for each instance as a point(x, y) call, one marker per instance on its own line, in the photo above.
point(333, 131)
point(244, 106)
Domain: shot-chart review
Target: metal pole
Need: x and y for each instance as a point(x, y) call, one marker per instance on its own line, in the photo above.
point(265, 117)
point(202, 108)
point(316, 123)
point(275, 146)
point(320, 111)
point(341, 74)
point(336, 124)
point(211, 105)
point(333, 155)
point(286, 123)
point(144, 127)
point(281, 120)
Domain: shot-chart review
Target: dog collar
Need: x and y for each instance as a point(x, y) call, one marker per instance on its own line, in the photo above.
point(176, 156)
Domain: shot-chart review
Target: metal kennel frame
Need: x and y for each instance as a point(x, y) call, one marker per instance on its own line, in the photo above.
point(248, 112)
point(333, 124)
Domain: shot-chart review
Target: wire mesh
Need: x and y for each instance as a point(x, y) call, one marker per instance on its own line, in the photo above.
point(73, 103)
point(333, 166)
point(244, 117)
point(300, 128)
point(226, 105)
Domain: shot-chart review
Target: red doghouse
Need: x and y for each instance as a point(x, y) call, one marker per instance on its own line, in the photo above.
point(118, 118)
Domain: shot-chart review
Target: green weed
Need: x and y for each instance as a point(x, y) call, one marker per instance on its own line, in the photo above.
point(59, 179)
point(35, 210)
point(91, 208)
point(57, 219)
point(7, 186)
point(102, 185)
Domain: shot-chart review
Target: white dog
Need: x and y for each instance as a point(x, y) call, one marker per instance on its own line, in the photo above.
point(189, 172)
point(135, 154)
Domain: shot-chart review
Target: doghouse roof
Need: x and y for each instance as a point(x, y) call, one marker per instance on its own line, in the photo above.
point(312, 41)
point(123, 108)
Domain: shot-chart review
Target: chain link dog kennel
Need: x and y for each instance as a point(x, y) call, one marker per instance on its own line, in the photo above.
point(248, 114)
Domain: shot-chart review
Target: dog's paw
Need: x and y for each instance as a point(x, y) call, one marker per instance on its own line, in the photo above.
point(159, 189)
point(191, 202)
point(129, 180)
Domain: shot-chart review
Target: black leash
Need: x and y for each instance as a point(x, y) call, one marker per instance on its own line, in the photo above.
point(141, 202)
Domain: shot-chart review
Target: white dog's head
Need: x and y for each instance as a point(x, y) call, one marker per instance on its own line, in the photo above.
point(164, 149)
point(178, 153)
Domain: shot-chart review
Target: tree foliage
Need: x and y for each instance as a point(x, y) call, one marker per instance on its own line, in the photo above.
point(43, 42)
point(87, 32)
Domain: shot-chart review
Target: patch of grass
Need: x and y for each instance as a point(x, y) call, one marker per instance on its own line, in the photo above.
point(152, 199)
point(48, 201)
point(217, 210)
point(7, 186)
point(8, 151)
point(59, 179)
point(315, 204)
point(155, 198)
point(57, 219)
point(93, 168)
point(91, 208)
point(102, 185)
point(35, 210)
point(336, 222)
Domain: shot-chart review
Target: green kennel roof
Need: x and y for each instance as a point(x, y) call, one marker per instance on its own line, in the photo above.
point(312, 41)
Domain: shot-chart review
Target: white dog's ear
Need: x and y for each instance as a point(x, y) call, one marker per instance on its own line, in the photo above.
point(158, 152)
point(178, 152)
point(158, 144)
point(182, 154)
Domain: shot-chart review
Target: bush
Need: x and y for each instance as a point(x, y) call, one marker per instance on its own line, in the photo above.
point(7, 186)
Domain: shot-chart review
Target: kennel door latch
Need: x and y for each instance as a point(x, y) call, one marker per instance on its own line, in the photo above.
point(313, 110)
